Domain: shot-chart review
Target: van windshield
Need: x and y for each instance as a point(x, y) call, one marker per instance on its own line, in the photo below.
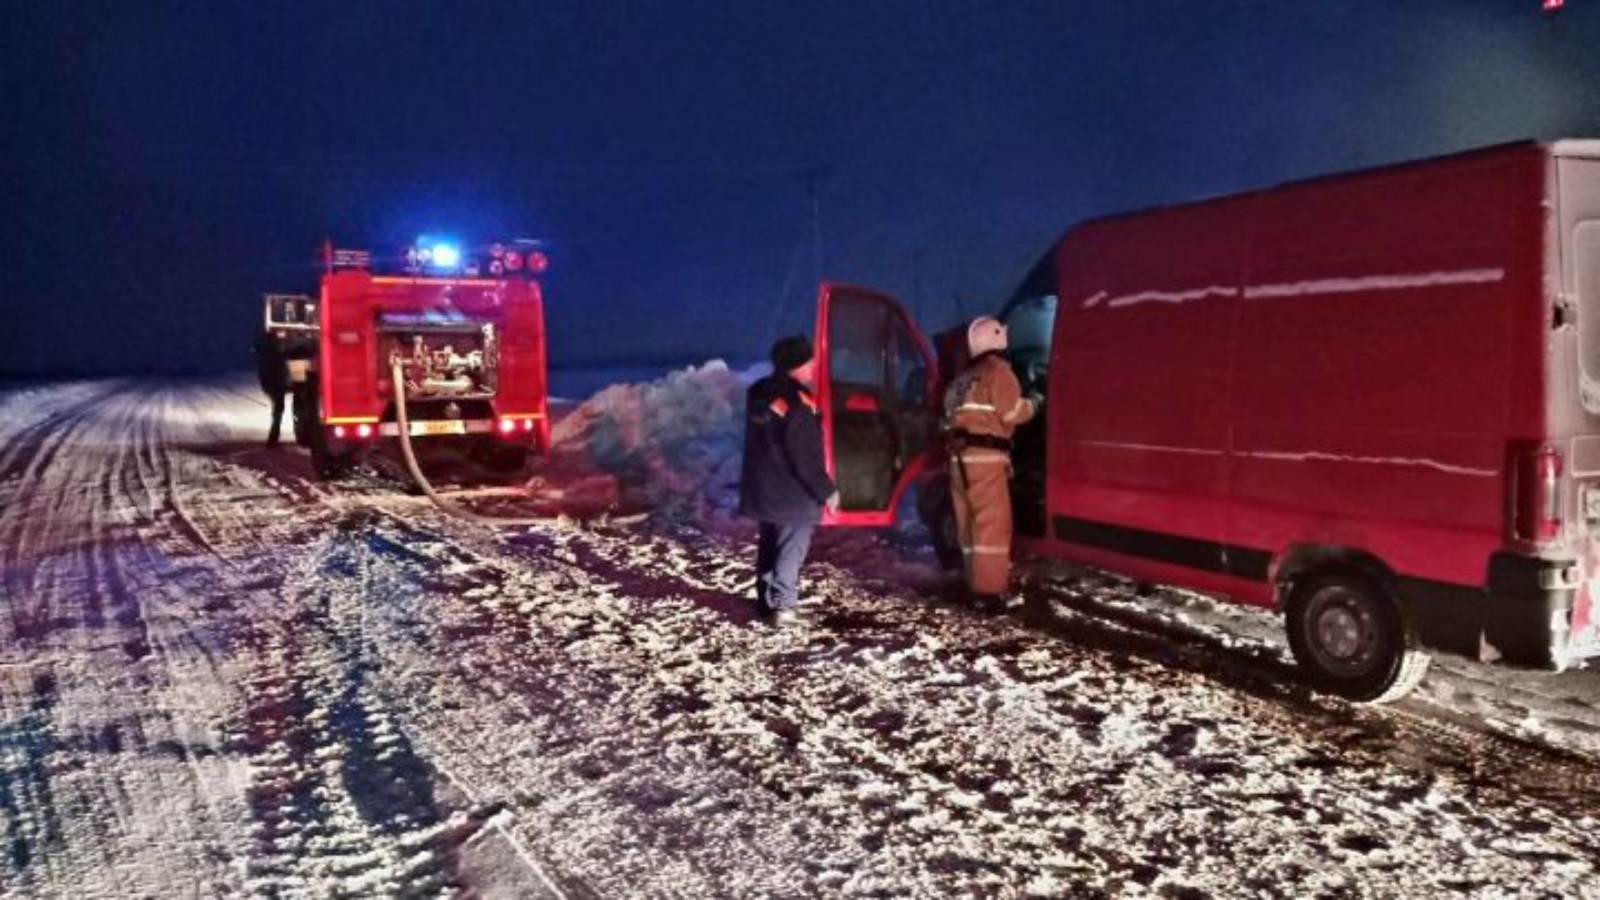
point(1030, 319)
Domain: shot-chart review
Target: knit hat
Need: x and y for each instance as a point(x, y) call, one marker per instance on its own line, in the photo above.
point(791, 353)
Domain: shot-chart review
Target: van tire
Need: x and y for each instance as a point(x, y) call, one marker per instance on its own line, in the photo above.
point(1351, 640)
point(938, 514)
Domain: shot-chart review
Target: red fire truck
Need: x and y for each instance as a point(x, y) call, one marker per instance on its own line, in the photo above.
point(464, 329)
point(1370, 401)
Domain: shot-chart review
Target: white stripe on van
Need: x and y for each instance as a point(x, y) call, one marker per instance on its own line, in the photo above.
point(1306, 456)
point(1154, 448)
point(1374, 283)
point(1415, 462)
point(1173, 296)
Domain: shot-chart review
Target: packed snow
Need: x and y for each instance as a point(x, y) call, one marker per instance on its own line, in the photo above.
point(220, 676)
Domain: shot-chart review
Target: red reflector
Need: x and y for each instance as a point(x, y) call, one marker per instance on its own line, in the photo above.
point(1538, 495)
point(537, 262)
point(513, 261)
point(1549, 495)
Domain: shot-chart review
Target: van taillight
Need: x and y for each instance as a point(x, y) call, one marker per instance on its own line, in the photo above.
point(1538, 489)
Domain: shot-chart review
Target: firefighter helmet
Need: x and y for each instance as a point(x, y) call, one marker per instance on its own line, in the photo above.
point(985, 334)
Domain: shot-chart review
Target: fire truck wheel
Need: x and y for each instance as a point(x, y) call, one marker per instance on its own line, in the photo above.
point(1351, 640)
point(305, 415)
point(938, 515)
point(330, 464)
point(505, 459)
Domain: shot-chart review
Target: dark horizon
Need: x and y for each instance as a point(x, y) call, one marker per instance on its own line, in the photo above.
point(163, 170)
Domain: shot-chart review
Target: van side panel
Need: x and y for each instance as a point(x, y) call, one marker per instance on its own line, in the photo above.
point(1345, 362)
point(1139, 392)
point(1377, 348)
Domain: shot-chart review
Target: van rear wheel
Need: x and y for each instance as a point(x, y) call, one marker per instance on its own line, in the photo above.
point(1349, 637)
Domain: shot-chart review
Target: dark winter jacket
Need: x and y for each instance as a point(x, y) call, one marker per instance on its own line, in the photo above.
point(784, 480)
point(271, 354)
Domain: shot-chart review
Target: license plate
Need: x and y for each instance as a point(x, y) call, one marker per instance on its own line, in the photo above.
point(445, 427)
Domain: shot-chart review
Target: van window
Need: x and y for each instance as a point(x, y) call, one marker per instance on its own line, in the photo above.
point(857, 340)
point(1586, 278)
point(1030, 319)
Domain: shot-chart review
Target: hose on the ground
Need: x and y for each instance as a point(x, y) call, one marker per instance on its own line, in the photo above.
point(397, 377)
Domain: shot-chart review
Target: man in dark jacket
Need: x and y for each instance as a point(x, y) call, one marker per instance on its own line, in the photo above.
point(785, 483)
point(272, 356)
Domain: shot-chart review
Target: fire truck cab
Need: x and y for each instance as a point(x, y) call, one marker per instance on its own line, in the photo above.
point(1370, 401)
point(464, 330)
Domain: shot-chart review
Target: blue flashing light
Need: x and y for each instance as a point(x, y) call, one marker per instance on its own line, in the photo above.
point(446, 256)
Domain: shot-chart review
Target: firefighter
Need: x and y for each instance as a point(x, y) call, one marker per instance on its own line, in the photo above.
point(272, 355)
point(982, 408)
point(784, 483)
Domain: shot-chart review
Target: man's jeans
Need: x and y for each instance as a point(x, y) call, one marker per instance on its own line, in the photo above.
point(779, 555)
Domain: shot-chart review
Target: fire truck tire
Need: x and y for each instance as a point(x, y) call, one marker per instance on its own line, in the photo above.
point(304, 412)
point(1351, 639)
point(330, 465)
point(505, 459)
point(938, 514)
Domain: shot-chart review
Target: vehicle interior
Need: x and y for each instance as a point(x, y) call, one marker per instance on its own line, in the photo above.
point(882, 416)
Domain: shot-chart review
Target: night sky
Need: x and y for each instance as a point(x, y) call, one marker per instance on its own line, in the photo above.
point(163, 165)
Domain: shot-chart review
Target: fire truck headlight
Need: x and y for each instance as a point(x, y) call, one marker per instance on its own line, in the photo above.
point(446, 256)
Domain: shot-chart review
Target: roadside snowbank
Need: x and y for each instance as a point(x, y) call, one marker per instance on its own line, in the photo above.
point(671, 445)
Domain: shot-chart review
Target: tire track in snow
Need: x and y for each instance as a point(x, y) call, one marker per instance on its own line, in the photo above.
point(600, 693)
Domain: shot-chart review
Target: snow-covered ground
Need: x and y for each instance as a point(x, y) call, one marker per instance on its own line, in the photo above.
point(218, 676)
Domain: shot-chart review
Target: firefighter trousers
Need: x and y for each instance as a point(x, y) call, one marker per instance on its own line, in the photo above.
point(980, 486)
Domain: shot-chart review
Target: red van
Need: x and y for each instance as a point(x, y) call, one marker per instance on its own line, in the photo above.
point(1371, 401)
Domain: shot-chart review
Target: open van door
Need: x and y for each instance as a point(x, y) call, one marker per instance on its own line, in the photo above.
point(876, 375)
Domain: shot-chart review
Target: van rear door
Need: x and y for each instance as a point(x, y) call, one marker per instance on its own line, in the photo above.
point(875, 391)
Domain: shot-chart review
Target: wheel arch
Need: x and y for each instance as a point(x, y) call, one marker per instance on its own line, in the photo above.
point(1300, 562)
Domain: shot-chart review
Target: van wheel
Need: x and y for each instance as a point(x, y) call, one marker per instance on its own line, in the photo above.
point(1351, 640)
point(938, 514)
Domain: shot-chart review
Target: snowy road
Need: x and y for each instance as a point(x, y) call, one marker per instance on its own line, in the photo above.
point(220, 677)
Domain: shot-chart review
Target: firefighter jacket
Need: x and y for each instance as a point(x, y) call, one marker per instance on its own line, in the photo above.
point(784, 479)
point(984, 405)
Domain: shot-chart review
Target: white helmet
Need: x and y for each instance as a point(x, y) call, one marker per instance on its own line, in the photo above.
point(985, 334)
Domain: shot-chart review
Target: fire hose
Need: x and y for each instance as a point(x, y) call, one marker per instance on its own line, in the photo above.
point(444, 503)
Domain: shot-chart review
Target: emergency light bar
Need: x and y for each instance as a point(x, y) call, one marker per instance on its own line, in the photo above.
point(433, 256)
